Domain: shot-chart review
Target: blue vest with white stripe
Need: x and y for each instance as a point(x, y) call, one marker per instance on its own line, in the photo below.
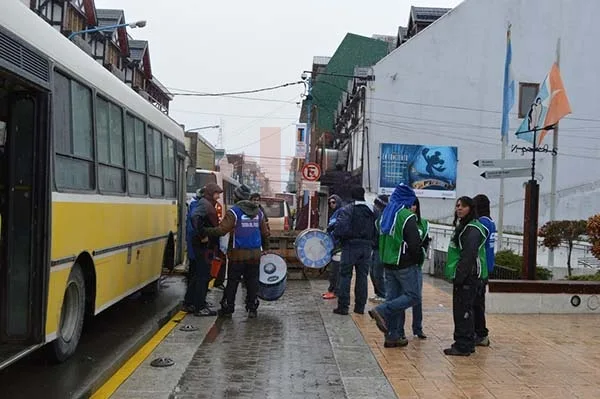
point(246, 234)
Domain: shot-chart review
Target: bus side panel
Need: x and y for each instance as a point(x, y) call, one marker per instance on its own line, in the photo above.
point(113, 234)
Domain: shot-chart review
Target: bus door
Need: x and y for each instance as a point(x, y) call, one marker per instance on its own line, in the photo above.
point(24, 205)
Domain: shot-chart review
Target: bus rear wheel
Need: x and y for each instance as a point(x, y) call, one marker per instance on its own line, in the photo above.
point(71, 316)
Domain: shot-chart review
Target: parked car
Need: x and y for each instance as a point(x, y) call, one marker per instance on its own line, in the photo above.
point(278, 212)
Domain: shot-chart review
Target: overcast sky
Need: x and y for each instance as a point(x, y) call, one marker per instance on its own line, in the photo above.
point(239, 45)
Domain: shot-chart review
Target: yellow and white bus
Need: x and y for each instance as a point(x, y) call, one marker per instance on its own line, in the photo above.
point(92, 188)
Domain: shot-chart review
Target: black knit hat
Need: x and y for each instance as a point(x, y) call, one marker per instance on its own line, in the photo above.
point(242, 193)
point(382, 200)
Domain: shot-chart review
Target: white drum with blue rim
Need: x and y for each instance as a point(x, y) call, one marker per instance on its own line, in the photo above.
point(272, 277)
point(313, 248)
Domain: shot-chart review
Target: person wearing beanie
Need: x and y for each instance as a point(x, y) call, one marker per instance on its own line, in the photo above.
point(204, 215)
point(248, 241)
point(401, 254)
point(482, 206)
point(335, 204)
point(376, 271)
point(354, 228)
point(255, 197)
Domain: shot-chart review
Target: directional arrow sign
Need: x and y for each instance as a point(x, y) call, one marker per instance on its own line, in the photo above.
point(507, 173)
point(502, 163)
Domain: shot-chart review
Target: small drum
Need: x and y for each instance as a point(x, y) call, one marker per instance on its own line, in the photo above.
point(313, 248)
point(272, 277)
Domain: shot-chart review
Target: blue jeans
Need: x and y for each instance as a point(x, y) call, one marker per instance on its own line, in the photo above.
point(359, 257)
point(402, 289)
point(417, 310)
point(377, 274)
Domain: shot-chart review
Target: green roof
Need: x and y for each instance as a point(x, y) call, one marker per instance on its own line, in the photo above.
point(353, 51)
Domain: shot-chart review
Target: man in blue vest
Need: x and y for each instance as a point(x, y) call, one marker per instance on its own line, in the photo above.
point(249, 238)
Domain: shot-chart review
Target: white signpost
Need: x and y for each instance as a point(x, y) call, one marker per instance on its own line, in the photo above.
point(506, 173)
point(502, 163)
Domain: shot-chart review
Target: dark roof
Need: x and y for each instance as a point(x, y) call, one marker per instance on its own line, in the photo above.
point(107, 17)
point(353, 51)
point(427, 14)
point(137, 48)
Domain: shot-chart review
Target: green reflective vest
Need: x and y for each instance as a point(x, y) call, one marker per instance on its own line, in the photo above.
point(392, 245)
point(454, 253)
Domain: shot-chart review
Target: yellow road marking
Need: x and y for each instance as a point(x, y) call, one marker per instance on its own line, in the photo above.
point(134, 361)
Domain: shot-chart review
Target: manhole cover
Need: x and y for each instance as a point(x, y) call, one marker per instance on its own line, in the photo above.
point(162, 362)
point(189, 328)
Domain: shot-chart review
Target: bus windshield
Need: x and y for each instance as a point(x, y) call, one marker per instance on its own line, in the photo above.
point(199, 180)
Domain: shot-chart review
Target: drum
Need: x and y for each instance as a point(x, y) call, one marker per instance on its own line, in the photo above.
point(272, 277)
point(313, 248)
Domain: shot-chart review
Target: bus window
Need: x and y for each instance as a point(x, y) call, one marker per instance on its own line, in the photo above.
point(200, 180)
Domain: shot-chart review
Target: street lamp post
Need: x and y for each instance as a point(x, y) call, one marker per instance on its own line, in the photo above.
point(138, 24)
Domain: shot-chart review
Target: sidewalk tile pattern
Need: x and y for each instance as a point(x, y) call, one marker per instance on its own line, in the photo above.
point(531, 356)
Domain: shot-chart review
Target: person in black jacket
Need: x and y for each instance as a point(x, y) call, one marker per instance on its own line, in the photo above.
point(355, 230)
point(465, 242)
point(205, 248)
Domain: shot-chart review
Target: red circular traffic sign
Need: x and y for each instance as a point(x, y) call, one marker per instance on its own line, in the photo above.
point(311, 171)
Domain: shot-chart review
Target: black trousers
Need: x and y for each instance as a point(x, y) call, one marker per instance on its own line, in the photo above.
point(249, 270)
point(481, 330)
point(463, 297)
point(198, 279)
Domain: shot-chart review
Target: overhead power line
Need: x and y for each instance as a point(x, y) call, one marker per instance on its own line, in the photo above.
point(191, 94)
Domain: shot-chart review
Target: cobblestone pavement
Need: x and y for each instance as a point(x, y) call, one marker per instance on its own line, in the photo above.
point(285, 353)
point(531, 356)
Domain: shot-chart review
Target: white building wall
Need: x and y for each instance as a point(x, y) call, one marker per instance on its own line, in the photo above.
point(444, 87)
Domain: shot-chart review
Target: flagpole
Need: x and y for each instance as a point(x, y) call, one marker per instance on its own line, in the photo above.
point(554, 167)
point(504, 134)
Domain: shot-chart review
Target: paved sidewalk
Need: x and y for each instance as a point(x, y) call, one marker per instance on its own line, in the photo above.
point(296, 349)
point(531, 356)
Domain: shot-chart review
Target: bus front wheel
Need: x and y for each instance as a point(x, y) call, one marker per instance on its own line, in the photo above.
point(71, 316)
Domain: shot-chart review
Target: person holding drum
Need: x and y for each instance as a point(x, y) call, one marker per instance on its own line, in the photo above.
point(335, 204)
point(355, 229)
point(401, 253)
point(249, 238)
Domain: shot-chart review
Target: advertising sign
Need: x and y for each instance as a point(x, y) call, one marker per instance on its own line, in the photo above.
point(430, 170)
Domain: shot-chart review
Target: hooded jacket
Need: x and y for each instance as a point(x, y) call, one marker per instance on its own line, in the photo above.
point(228, 225)
point(355, 224)
point(204, 215)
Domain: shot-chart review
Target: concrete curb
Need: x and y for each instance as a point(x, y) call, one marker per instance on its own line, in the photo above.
point(106, 373)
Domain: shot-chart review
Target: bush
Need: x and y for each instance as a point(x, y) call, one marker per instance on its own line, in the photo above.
point(508, 258)
point(593, 231)
point(513, 261)
point(590, 277)
point(541, 273)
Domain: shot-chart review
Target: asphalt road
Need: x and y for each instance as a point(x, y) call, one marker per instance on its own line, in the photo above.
point(107, 342)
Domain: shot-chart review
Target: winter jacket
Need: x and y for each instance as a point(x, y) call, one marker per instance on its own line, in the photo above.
point(355, 225)
point(228, 225)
